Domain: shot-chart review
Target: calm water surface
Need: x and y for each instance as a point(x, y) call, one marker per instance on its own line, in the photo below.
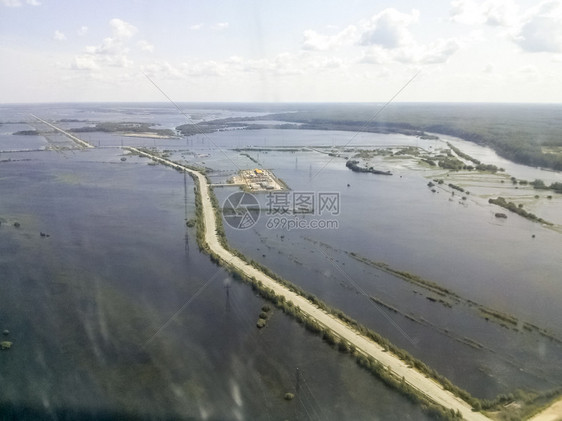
point(114, 310)
point(92, 308)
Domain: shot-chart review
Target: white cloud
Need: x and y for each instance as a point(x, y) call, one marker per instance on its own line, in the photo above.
point(489, 12)
point(389, 29)
point(112, 52)
point(18, 3)
point(331, 63)
point(435, 52)
point(501, 13)
point(11, 3)
point(541, 29)
point(220, 26)
point(314, 41)
point(467, 12)
point(384, 38)
point(537, 29)
point(281, 65)
point(163, 70)
point(84, 62)
point(376, 55)
point(121, 29)
point(109, 46)
point(432, 53)
point(197, 26)
point(59, 36)
point(146, 46)
point(196, 68)
point(289, 64)
point(82, 31)
point(204, 68)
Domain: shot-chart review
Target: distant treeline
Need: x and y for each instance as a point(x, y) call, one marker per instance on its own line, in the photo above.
point(112, 127)
point(515, 131)
point(212, 126)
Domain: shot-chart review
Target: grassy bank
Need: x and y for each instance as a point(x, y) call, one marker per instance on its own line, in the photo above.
point(500, 201)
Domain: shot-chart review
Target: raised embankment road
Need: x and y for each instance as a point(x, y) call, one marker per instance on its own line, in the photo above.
point(69, 135)
point(419, 381)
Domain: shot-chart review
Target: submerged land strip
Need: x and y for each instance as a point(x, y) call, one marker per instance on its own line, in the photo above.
point(64, 132)
point(392, 365)
point(396, 367)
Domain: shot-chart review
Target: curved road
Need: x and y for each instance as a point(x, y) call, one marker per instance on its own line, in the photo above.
point(430, 388)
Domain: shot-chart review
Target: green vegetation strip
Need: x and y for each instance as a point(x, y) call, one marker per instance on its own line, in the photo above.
point(407, 276)
point(503, 319)
point(532, 402)
point(479, 166)
point(125, 127)
point(500, 201)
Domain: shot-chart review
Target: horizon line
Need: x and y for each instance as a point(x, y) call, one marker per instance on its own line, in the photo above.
point(282, 102)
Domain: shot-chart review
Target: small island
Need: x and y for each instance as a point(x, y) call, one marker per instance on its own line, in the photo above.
point(353, 166)
point(26, 133)
point(500, 201)
point(128, 129)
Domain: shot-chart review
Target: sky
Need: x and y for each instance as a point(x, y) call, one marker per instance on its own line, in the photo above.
point(281, 51)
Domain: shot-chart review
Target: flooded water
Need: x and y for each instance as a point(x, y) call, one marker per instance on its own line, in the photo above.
point(113, 312)
point(397, 220)
point(512, 267)
point(114, 308)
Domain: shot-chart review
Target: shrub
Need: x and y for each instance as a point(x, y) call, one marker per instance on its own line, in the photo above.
point(5, 345)
point(289, 396)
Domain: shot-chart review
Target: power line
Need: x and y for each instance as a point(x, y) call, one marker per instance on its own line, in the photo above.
point(190, 121)
point(363, 292)
point(316, 408)
point(183, 307)
point(380, 110)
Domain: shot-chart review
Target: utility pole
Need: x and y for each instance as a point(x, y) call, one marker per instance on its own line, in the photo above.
point(297, 391)
point(185, 211)
point(227, 288)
